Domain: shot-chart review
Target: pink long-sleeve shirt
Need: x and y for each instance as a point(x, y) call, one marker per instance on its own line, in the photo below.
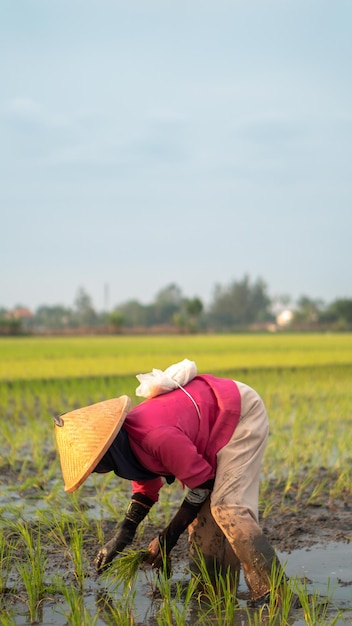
point(170, 438)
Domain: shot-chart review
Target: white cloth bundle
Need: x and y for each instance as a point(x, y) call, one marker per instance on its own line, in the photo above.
point(158, 382)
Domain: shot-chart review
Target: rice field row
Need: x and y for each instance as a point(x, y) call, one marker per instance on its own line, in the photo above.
point(31, 358)
point(310, 412)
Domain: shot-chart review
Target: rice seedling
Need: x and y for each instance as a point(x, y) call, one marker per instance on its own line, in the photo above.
point(8, 618)
point(6, 549)
point(176, 604)
point(316, 608)
point(123, 571)
point(75, 611)
point(282, 596)
point(32, 568)
point(216, 595)
point(317, 492)
point(76, 553)
point(114, 502)
point(117, 611)
point(56, 527)
point(117, 602)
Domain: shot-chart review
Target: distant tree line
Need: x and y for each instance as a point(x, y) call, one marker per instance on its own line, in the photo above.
point(242, 305)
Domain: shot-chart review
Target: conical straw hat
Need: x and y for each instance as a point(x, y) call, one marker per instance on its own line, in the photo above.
point(84, 435)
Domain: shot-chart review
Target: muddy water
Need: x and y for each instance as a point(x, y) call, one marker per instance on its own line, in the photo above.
point(328, 568)
point(328, 565)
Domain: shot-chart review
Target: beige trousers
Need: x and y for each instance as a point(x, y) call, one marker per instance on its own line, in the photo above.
point(226, 530)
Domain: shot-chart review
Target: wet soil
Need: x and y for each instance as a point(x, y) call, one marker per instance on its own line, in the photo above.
point(298, 523)
point(293, 524)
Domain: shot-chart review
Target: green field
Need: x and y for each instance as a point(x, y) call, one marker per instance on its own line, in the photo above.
point(49, 358)
point(305, 381)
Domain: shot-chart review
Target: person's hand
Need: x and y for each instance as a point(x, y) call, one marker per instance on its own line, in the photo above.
point(154, 550)
point(108, 552)
point(158, 557)
point(160, 548)
point(136, 512)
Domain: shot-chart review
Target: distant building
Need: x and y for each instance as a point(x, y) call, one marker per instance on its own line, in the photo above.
point(20, 313)
point(284, 318)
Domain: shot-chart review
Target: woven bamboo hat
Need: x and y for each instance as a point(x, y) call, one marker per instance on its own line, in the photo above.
point(84, 435)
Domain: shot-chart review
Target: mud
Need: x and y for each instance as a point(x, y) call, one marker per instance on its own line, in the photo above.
point(300, 523)
point(312, 537)
point(292, 524)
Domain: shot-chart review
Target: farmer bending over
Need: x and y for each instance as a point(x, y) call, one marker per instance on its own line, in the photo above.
point(209, 434)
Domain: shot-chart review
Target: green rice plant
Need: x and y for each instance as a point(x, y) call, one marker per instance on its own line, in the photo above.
point(114, 502)
point(176, 602)
point(57, 526)
point(220, 601)
point(6, 553)
point(216, 596)
point(311, 435)
point(11, 445)
point(317, 492)
point(8, 618)
point(124, 569)
point(68, 534)
point(304, 482)
point(172, 599)
point(76, 612)
point(32, 568)
point(79, 506)
point(117, 611)
point(33, 589)
point(266, 505)
point(315, 607)
point(76, 553)
point(97, 531)
point(282, 597)
point(121, 576)
point(341, 488)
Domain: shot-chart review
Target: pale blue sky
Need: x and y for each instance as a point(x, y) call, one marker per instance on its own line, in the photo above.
point(149, 142)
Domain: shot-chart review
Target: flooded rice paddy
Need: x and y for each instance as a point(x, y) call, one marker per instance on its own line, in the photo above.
point(314, 544)
point(48, 540)
point(327, 568)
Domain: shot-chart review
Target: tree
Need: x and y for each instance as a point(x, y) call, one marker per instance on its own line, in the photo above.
point(239, 304)
point(10, 326)
point(339, 313)
point(116, 320)
point(194, 309)
point(134, 314)
point(85, 313)
point(186, 319)
point(51, 317)
point(308, 310)
point(168, 301)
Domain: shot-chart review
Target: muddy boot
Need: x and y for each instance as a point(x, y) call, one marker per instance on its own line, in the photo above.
point(208, 543)
point(258, 560)
point(255, 553)
point(263, 571)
